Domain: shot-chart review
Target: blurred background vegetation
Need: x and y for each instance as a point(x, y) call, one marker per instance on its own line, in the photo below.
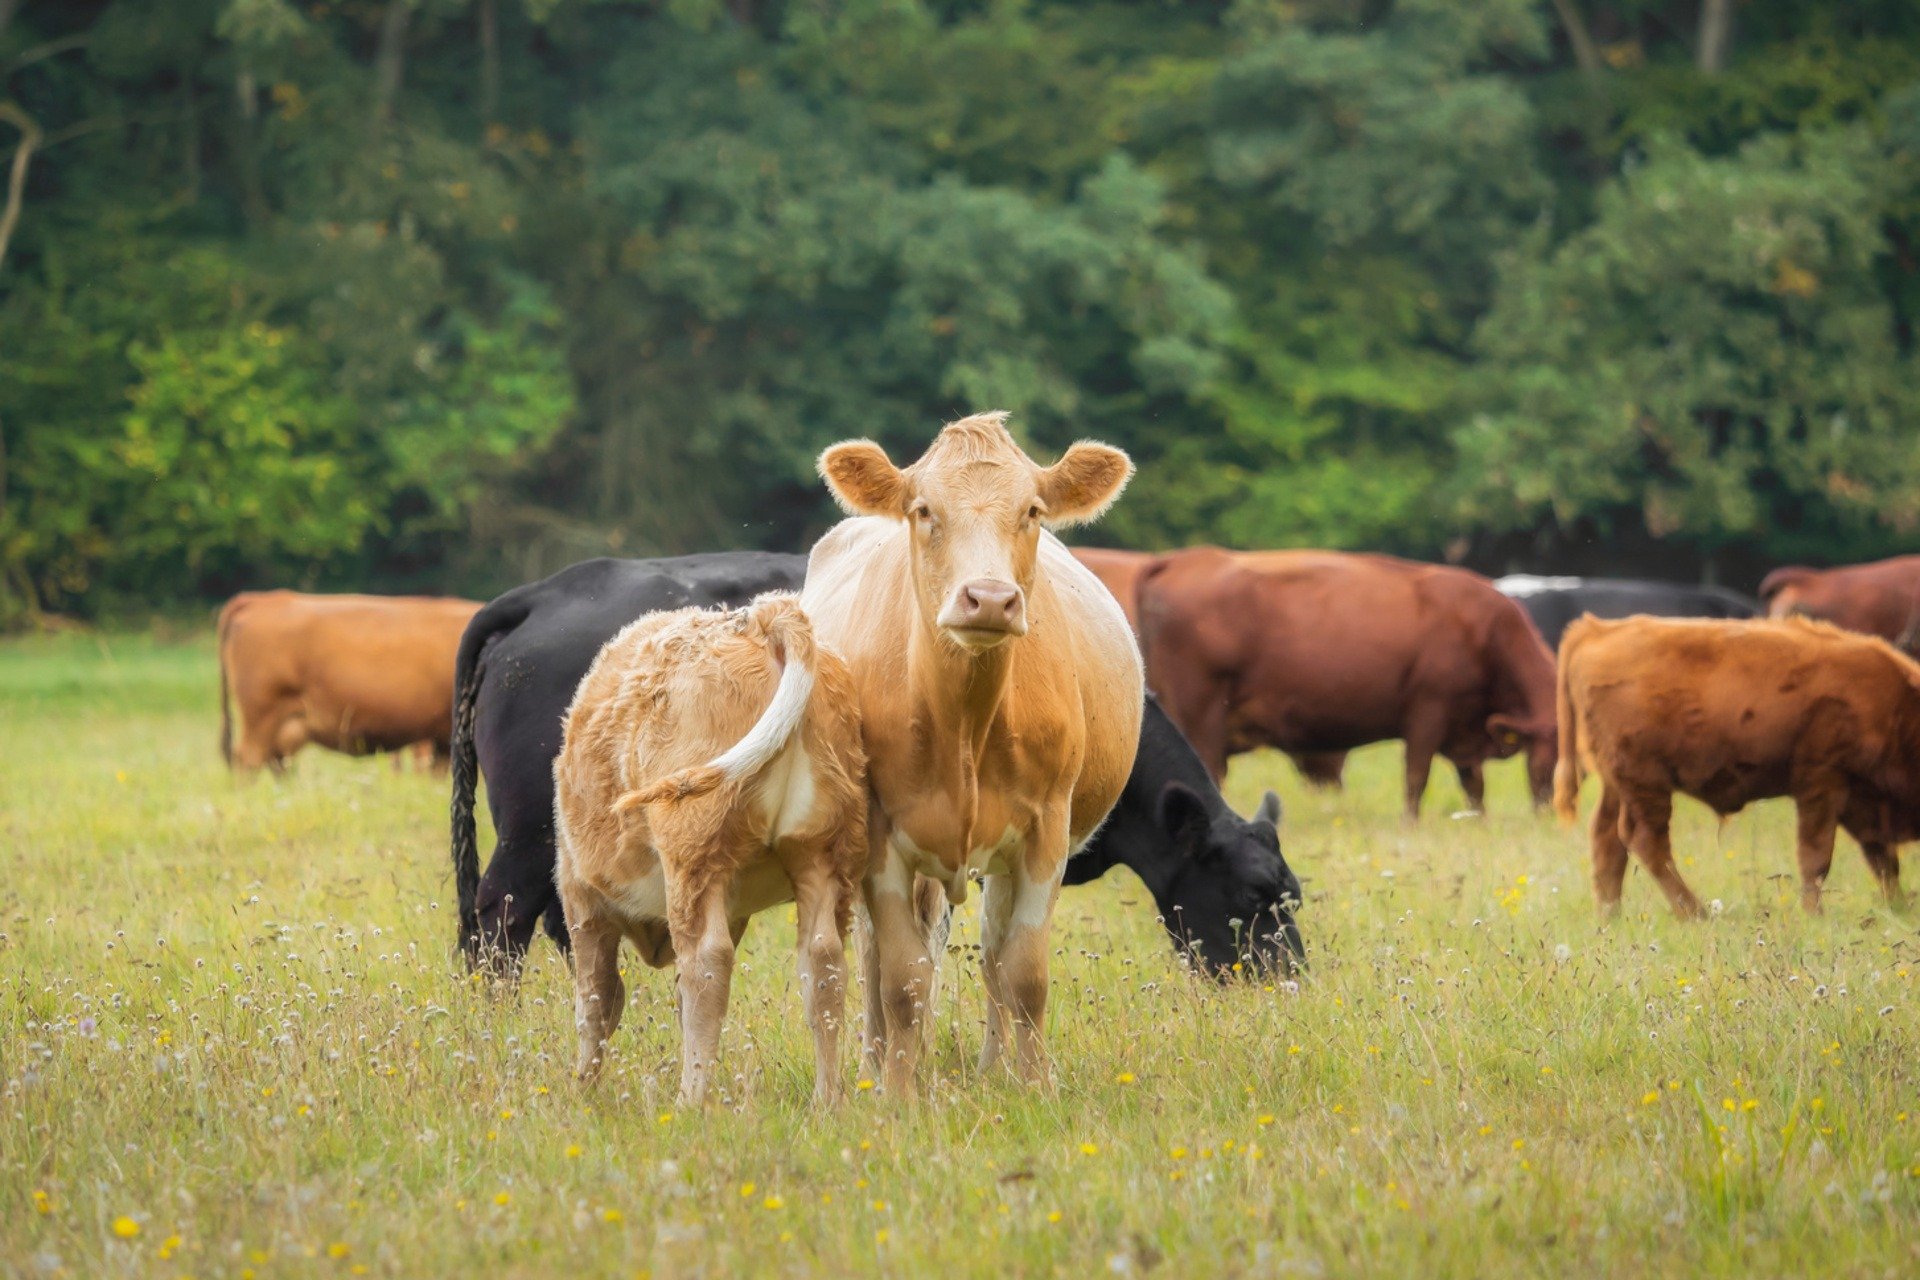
point(446, 293)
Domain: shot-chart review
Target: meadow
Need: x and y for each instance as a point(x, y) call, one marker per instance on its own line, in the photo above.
point(235, 1041)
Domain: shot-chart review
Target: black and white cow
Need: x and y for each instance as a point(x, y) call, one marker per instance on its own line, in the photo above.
point(1223, 889)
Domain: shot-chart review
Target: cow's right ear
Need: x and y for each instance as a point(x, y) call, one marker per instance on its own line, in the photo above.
point(864, 480)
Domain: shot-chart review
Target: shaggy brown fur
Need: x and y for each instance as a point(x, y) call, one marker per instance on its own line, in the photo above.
point(661, 842)
point(1730, 713)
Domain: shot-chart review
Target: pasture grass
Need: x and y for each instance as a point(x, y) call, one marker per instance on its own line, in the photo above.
point(234, 1041)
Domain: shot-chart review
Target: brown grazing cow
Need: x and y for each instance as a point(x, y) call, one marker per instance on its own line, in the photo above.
point(1879, 599)
point(1322, 651)
point(357, 674)
point(1119, 572)
point(1730, 713)
point(711, 768)
point(1001, 698)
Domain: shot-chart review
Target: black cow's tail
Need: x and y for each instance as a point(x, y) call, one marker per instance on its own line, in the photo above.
point(492, 622)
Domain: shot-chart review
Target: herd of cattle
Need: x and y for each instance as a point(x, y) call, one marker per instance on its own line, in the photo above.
point(941, 692)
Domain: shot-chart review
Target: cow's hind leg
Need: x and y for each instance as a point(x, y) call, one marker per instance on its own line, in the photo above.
point(1424, 731)
point(819, 909)
point(1609, 853)
point(1647, 827)
point(1473, 782)
point(1883, 859)
point(703, 941)
point(1818, 817)
point(599, 996)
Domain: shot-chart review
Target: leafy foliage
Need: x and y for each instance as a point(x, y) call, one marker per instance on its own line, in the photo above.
point(447, 291)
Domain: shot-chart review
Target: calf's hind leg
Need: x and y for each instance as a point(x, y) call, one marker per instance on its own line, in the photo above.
point(599, 996)
point(703, 941)
point(820, 911)
point(1814, 846)
point(1646, 829)
point(1609, 853)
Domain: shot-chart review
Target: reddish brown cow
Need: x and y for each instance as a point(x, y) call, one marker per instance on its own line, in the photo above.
point(1730, 713)
point(354, 673)
point(1319, 651)
point(1879, 599)
point(1119, 572)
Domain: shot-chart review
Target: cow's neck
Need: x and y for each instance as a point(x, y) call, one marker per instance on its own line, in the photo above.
point(958, 696)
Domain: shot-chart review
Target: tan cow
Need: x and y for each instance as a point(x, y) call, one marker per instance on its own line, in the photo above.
point(1730, 713)
point(1000, 696)
point(357, 674)
point(711, 768)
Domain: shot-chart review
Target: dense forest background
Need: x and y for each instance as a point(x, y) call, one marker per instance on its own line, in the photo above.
point(447, 293)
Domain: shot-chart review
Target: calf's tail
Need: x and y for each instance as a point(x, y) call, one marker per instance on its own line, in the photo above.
point(790, 637)
point(1566, 772)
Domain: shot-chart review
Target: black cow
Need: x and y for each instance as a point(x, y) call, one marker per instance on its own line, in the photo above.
point(1224, 889)
point(1222, 886)
point(1553, 603)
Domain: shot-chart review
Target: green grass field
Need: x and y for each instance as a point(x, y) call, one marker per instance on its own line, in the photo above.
point(235, 1041)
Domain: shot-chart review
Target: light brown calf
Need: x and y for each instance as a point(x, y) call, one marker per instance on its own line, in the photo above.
point(711, 768)
point(1730, 713)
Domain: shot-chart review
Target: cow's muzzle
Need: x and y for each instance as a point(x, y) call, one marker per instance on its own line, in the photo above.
point(984, 612)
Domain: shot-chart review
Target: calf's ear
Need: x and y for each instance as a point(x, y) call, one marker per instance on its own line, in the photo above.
point(863, 479)
point(1084, 483)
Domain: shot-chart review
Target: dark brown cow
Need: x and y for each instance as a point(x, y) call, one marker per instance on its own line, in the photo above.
point(1119, 572)
point(354, 673)
point(1730, 713)
point(1879, 599)
point(1319, 651)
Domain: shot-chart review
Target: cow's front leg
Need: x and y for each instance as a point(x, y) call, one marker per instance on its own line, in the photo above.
point(903, 969)
point(1016, 918)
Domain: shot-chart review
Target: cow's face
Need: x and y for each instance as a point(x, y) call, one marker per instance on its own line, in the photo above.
point(1232, 899)
point(974, 505)
point(1539, 739)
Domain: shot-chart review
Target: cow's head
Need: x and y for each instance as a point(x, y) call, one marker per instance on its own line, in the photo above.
point(975, 505)
point(1232, 897)
point(1539, 739)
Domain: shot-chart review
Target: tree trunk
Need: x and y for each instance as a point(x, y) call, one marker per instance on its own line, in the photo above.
point(7, 9)
point(741, 11)
point(190, 147)
point(489, 60)
point(246, 94)
point(1716, 35)
point(390, 58)
point(30, 136)
point(1579, 38)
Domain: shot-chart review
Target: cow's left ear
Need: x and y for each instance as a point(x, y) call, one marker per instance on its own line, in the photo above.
point(864, 480)
point(1084, 483)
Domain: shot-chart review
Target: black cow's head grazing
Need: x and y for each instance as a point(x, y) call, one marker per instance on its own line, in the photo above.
point(1230, 898)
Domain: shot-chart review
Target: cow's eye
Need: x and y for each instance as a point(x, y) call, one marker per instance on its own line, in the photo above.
point(921, 511)
point(1034, 512)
